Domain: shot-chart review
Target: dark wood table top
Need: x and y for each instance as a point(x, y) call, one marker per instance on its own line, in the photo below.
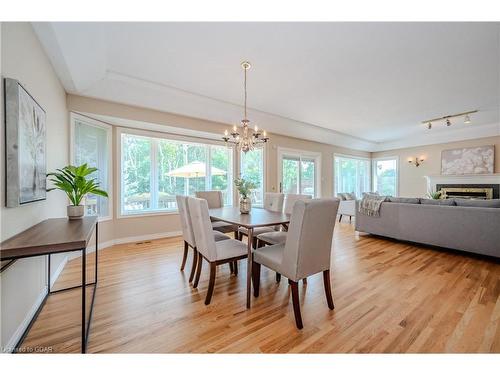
point(258, 217)
point(49, 236)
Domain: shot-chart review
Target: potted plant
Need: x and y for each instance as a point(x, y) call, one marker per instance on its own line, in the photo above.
point(244, 188)
point(434, 194)
point(74, 182)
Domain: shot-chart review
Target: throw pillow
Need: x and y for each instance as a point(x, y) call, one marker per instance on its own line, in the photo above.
point(350, 196)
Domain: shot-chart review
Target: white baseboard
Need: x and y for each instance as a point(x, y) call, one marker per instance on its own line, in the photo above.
point(144, 237)
point(11, 344)
point(53, 278)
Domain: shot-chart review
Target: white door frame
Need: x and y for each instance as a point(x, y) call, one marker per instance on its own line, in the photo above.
point(301, 154)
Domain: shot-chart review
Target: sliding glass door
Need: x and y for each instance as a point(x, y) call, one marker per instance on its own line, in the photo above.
point(298, 172)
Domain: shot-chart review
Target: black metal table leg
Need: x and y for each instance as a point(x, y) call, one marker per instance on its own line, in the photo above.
point(84, 271)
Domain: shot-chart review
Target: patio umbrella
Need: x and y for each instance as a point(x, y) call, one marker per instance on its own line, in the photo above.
point(194, 169)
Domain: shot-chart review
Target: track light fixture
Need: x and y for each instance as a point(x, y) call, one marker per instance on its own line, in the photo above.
point(447, 119)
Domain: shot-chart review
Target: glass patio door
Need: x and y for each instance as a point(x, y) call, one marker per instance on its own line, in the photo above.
point(298, 174)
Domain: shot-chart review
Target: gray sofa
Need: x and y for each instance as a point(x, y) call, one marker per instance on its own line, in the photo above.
point(459, 227)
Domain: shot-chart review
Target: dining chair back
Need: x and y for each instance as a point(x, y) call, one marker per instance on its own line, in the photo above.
point(274, 201)
point(187, 228)
point(290, 200)
point(202, 228)
point(308, 244)
point(213, 197)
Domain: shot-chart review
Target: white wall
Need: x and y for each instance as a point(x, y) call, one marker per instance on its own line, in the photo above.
point(23, 283)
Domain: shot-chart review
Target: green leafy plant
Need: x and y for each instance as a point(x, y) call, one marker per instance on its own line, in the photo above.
point(434, 194)
point(74, 182)
point(244, 187)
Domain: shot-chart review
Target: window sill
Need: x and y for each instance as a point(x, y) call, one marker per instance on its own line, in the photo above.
point(146, 214)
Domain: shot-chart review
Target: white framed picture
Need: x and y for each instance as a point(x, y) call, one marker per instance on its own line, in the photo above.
point(471, 160)
point(25, 145)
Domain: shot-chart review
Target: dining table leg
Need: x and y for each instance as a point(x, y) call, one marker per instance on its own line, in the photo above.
point(249, 266)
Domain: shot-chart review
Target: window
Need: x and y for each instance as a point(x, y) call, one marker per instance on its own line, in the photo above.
point(91, 144)
point(154, 170)
point(299, 172)
point(351, 175)
point(252, 168)
point(385, 176)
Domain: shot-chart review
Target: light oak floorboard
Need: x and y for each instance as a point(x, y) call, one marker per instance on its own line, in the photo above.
point(390, 297)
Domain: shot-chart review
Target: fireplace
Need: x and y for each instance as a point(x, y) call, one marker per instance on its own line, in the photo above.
point(469, 191)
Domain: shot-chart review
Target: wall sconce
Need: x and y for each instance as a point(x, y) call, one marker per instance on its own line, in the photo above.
point(416, 161)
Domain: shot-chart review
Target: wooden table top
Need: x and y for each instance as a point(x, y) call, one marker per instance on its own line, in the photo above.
point(49, 236)
point(258, 217)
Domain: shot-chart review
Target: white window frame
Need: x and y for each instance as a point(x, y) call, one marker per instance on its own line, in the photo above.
point(73, 116)
point(374, 160)
point(264, 175)
point(282, 151)
point(168, 137)
point(346, 156)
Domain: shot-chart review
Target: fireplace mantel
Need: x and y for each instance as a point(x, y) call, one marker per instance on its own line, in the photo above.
point(433, 180)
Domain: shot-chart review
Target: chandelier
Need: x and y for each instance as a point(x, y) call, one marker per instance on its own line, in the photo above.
point(245, 138)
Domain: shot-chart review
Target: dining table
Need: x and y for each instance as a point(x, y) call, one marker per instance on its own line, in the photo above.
point(257, 217)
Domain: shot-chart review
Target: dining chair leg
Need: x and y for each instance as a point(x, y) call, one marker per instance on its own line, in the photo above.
point(231, 267)
point(184, 257)
point(278, 277)
point(211, 283)
point(254, 242)
point(240, 236)
point(236, 235)
point(235, 267)
point(328, 289)
point(256, 278)
point(193, 267)
point(340, 218)
point(198, 270)
point(296, 305)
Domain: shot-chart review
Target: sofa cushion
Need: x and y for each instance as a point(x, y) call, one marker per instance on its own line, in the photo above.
point(488, 203)
point(438, 202)
point(403, 200)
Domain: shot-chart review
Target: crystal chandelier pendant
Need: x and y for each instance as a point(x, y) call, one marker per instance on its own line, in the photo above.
point(248, 139)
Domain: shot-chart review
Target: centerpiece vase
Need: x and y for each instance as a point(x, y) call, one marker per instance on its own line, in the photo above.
point(245, 205)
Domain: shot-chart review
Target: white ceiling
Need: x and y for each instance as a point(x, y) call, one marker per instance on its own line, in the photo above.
point(361, 85)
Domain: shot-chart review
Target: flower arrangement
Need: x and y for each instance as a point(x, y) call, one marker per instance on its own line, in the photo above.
point(244, 187)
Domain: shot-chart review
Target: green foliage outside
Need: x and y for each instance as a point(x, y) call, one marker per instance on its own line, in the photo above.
point(136, 160)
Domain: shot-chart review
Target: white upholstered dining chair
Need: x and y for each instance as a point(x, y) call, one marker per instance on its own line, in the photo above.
point(188, 235)
point(215, 199)
point(272, 202)
point(215, 253)
point(307, 249)
point(275, 237)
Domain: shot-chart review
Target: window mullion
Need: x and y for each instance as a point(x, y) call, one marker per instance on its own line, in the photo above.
point(154, 183)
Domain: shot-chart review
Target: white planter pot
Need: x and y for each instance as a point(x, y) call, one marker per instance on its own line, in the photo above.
point(75, 212)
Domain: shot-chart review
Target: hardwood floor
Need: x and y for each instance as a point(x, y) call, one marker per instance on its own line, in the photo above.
point(390, 297)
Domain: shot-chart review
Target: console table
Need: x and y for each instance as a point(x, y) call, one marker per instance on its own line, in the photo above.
point(53, 236)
